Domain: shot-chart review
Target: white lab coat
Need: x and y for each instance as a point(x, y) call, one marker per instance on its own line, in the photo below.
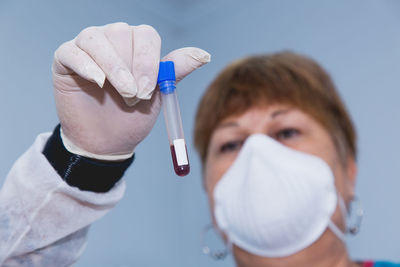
point(43, 220)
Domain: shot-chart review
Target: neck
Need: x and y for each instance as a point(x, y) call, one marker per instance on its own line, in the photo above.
point(327, 251)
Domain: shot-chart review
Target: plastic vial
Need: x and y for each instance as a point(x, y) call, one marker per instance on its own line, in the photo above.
point(172, 116)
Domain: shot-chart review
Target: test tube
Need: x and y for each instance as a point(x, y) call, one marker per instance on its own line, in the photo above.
point(172, 115)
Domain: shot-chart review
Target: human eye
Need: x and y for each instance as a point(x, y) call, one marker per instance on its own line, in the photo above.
point(231, 146)
point(286, 134)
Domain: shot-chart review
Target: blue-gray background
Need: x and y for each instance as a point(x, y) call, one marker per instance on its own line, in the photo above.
point(158, 223)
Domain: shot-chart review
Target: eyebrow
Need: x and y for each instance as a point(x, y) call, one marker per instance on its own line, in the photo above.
point(280, 112)
point(228, 124)
point(273, 115)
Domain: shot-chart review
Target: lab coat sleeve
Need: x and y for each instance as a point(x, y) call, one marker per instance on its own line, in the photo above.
point(43, 220)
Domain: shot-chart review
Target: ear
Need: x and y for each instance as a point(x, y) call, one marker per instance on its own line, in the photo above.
point(351, 174)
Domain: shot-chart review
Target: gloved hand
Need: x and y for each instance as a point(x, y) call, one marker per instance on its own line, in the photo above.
point(107, 117)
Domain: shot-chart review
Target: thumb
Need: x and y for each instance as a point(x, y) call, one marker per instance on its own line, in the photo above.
point(186, 60)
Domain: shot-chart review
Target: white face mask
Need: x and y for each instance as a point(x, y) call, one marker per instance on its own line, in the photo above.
point(275, 201)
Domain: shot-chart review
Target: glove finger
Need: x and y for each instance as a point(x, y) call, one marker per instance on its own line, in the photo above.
point(120, 37)
point(93, 41)
point(146, 59)
point(186, 60)
point(69, 58)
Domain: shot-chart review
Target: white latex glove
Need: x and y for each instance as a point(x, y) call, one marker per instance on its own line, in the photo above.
point(106, 118)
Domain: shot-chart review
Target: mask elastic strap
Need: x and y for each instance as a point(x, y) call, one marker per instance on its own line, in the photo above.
point(334, 228)
point(337, 231)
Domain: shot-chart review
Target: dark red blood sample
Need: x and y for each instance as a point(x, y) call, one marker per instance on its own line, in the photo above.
point(180, 170)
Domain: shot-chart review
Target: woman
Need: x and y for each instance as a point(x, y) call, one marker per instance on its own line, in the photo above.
point(279, 151)
point(104, 86)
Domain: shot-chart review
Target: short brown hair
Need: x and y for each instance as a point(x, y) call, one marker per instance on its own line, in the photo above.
point(279, 78)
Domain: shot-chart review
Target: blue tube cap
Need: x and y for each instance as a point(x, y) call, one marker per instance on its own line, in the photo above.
point(166, 71)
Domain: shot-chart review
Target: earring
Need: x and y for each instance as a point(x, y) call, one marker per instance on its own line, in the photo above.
point(354, 228)
point(214, 254)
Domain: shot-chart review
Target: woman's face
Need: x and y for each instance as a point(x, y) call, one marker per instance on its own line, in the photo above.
point(287, 125)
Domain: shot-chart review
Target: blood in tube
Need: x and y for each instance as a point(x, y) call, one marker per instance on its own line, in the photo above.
point(180, 170)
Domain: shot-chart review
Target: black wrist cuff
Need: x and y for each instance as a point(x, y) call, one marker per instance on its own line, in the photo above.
point(82, 172)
